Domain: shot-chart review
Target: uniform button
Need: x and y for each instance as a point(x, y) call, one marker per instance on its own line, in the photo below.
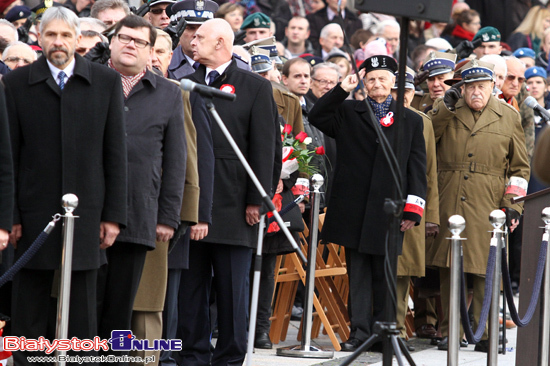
point(463, 198)
point(470, 155)
point(465, 177)
point(473, 134)
point(126, 109)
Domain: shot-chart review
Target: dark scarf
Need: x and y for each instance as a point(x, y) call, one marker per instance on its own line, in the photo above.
point(380, 109)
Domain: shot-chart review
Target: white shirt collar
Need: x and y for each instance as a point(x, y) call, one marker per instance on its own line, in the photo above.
point(331, 14)
point(220, 69)
point(69, 70)
point(190, 60)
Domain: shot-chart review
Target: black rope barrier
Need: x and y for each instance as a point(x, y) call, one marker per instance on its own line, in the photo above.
point(470, 336)
point(522, 322)
point(29, 253)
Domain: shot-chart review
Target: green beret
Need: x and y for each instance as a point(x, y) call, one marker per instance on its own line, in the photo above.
point(488, 34)
point(256, 20)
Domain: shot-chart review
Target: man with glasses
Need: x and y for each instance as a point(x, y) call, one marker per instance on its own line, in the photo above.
point(157, 15)
point(156, 169)
point(513, 95)
point(18, 54)
point(324, 77)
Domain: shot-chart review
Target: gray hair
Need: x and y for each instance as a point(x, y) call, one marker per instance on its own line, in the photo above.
point(326, 65)
point(92, 34)
point(102, 5)
point(496, 60)
point(18, 43)
point(60, 13)
point(514, 59)
point(327, 29)
point(9, 24)
point(93, 23)
point(386, 23)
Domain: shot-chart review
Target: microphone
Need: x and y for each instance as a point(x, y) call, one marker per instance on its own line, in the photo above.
point(206, 91)
point(532, 103)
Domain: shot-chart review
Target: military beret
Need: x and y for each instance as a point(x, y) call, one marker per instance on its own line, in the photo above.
point(379, 62)
point(256, 20)
point(4, 4)
point(535, 71)
point(409, 78)
point(477, 71)
point(524, 52)
point(488, 34)
point(438, 63)
point(18, 12)
point(194, 11)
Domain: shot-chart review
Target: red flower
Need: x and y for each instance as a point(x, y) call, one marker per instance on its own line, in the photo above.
point(301, 136)
point(287, 129)
point(320, 150)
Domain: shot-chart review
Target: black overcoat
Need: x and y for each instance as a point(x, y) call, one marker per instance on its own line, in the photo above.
point(6, 168)
point(362, 179)
point(157, 153)
point(252, 121)
point(67, 142)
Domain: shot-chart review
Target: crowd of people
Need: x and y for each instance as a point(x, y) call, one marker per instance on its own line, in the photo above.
point(168, 217)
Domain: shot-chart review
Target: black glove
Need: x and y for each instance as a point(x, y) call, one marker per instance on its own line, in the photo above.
point(23, 34)
point(511, 214)
point(465, 48)
point(175, 31)
point(99, 53)
point(421, 77)
point(452, 96)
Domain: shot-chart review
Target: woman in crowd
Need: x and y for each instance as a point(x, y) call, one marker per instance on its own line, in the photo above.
point(530, 31)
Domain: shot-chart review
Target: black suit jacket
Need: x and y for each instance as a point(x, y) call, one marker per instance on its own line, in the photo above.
point(362, 179)
point(252, 122)
point(6, 169)
point(70, 141)
point(319, 19)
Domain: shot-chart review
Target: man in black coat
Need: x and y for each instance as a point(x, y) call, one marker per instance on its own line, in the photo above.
point(6, 176)
point(67, 136)
point(156, 169)
point(227, 249)
point(362, 180)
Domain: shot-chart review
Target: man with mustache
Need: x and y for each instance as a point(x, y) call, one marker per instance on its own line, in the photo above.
point(482, 163)
point(68, 136)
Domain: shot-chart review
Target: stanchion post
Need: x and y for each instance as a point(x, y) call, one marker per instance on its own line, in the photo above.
point(545, 337)
point(456, 226)
point(305, 349)
point(497, 219)
point(69, 202)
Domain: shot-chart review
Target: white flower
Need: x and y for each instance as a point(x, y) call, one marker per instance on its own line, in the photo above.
point(307, 140)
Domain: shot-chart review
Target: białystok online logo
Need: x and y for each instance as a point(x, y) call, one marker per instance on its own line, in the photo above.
point(121, 340)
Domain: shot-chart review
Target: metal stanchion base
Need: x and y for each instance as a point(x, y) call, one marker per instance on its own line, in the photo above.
point(299, 351)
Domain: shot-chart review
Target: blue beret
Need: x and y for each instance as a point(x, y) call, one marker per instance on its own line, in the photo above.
point(535, 71)
point(524, 52)
point(18, 12)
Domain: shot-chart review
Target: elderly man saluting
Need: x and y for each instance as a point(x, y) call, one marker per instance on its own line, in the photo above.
point(482, 164)
point(362, 180)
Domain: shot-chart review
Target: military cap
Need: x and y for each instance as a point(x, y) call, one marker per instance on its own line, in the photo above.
point(256, 20)
point(260, 61)
point(535, 71)
point(409, 78)
point(379, 62)
point(457, 76)
point(268, 44)
point(18, 12)
point(194, 11)
point(438, 63)
point(488, 34)
point(313, 60)
point(43, 6)
point(524, 52)
point(476, 70)
point(156, 2)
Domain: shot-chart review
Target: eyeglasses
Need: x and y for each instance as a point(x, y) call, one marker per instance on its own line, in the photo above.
point(513, 77)
point(125, 39)
point(157, 11)
point(324, 82)
point(15, 59)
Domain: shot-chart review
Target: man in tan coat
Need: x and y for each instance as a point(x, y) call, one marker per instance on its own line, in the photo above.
point(412, 261)
point(482, 164)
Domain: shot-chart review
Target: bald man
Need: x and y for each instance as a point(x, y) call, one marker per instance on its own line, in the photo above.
point(227, 249)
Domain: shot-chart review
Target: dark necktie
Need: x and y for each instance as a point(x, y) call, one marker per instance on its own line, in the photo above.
point(61, 77)
point(212, 76)
point(196, 65)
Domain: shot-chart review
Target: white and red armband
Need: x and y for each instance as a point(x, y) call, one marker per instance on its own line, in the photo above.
point(415, 205)
point(517, 186)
